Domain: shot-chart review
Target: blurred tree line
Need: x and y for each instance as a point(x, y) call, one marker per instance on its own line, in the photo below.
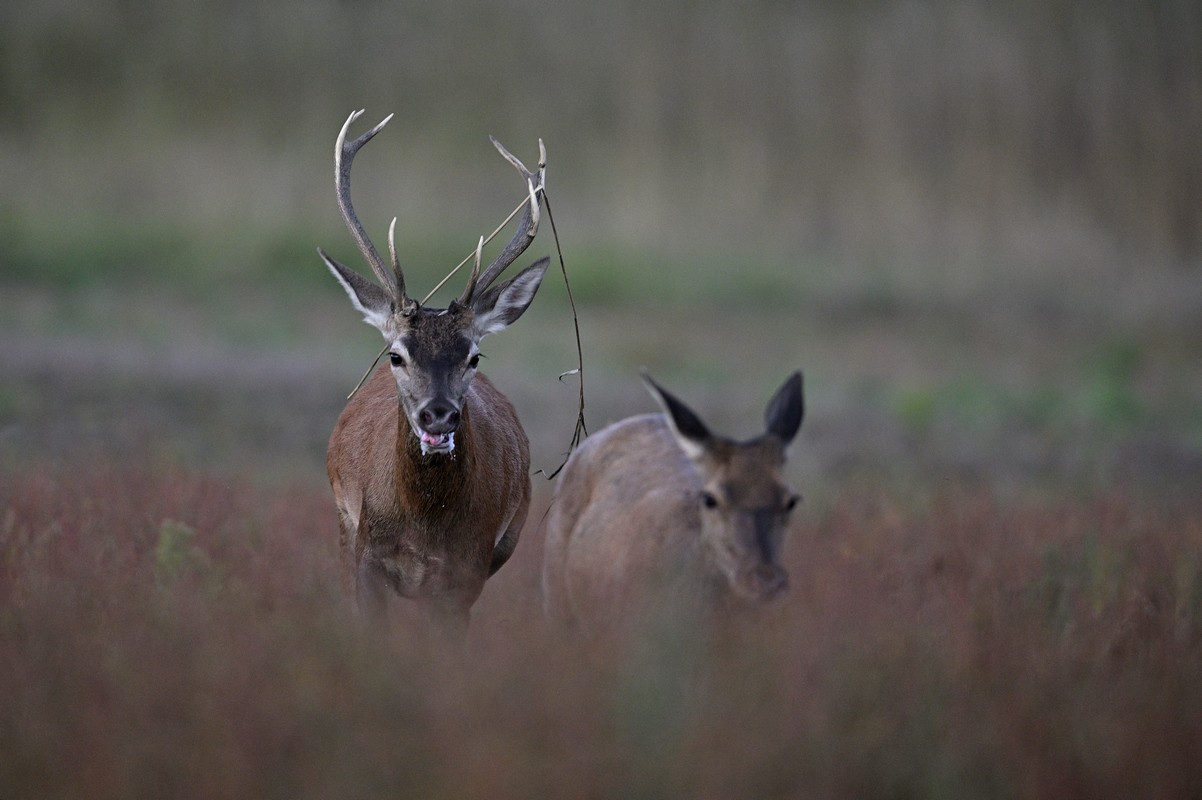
point(1046, 133)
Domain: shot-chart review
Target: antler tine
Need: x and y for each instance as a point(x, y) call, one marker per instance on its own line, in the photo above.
point(397, 275)
point(475, 276)
point(528, 226)
point(344, 155)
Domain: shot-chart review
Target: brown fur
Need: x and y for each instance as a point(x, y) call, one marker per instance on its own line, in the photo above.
point(647, 517)
point(428, 462)
point(426, 527)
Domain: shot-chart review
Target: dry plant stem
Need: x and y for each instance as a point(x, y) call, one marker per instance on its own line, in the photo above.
point(581, 430)
point(370, 367)
point(474, 254)
point(487, 239)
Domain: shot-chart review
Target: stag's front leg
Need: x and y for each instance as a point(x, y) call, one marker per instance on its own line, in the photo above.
point(371, 589)
point(447, 619)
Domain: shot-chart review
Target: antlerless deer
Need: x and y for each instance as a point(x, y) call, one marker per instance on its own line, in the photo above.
point(428, 462)
point(655, 509)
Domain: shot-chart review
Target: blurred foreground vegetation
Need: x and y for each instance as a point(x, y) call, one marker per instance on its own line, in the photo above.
point(176, 635)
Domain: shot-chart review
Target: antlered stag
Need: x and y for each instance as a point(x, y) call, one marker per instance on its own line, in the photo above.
point(655, 508)
point(428, 462)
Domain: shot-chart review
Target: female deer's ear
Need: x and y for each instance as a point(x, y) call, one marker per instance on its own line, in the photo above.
point(690, 432)
point(786, 409)
point(500, 306)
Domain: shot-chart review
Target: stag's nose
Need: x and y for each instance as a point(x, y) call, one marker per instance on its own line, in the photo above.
point(439, 417)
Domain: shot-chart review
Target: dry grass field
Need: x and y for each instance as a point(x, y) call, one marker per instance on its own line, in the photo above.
point(179, 633)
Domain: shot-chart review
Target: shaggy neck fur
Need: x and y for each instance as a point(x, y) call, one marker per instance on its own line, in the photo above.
point(436, 484)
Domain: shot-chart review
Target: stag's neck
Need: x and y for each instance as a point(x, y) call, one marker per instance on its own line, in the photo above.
point(433, 484)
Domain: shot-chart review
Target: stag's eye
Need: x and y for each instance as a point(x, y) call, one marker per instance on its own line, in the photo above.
point(474, 361)
point(397, 359)
point(792, 502)
point(708, 500)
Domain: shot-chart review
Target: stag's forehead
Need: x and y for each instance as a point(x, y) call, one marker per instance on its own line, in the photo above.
point(441, 333)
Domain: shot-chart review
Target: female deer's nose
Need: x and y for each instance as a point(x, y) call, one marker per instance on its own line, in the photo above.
point(771, 580)
point(439, 417)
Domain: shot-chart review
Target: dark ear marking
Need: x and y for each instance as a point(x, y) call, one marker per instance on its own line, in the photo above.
point(691, 433)
point(786, 409)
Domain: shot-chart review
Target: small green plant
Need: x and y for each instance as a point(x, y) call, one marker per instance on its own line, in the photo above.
point(11, 404)
point(176, 555)
point(1112, 395)
point(917, 409)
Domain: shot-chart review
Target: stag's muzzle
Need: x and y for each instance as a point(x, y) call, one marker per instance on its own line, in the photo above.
point(437, 423)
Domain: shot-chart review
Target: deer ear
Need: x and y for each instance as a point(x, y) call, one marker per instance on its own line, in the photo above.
point(500, 306)
point(786, 409)
point(690, 432)
point(372, 301)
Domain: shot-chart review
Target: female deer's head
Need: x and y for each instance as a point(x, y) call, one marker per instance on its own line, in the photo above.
point(742, 504)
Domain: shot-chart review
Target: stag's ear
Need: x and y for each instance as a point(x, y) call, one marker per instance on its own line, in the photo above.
point(690, 432)
point(500, 306)
point(371, 300)
point(786, 409)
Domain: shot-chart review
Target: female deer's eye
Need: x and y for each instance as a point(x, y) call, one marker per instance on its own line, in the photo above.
point(474, 361)
point(708, 500)
point(396, 359)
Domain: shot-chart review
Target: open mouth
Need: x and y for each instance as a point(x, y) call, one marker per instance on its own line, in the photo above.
point(436, 442)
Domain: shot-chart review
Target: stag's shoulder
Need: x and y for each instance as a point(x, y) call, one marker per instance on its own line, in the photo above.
point(369, 418)
point(492, 411)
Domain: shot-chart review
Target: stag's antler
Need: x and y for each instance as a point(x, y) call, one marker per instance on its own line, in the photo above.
point(344, 156)
point(527, 227)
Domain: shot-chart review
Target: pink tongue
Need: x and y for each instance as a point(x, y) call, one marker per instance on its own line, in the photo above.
point(434, 439)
